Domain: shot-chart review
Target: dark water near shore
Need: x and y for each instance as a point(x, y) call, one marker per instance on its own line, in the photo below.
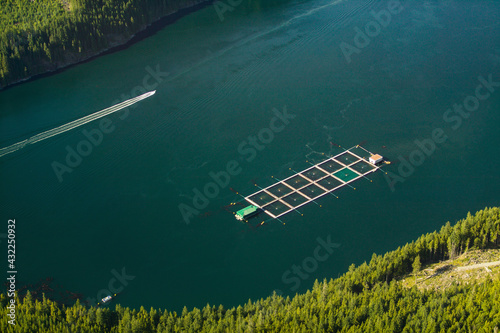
point(119, 207)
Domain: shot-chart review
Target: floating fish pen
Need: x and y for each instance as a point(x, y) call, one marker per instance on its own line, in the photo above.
point(304, 187)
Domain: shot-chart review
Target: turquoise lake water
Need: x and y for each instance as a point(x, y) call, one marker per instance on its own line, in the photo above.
point(118, 209)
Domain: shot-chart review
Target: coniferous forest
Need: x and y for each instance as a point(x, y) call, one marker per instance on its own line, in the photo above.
point(367, 298)
point(43, 35)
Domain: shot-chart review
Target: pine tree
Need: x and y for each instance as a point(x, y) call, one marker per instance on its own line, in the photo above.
point(416, 267)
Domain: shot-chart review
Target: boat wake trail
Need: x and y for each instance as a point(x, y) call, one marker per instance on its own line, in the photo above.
point(73, 124)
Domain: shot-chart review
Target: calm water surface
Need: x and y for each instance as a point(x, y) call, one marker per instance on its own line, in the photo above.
point(118, 208)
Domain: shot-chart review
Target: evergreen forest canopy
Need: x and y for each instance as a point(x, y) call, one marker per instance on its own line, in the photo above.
point(367, 298)
point(37, 36)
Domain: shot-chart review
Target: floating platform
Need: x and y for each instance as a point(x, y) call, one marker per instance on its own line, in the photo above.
point(312, 183)
point(247, 212)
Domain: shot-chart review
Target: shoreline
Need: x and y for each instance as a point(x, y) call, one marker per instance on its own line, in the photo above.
point(147, 31)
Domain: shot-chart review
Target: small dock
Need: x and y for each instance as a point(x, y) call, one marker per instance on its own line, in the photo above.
point(312, 183)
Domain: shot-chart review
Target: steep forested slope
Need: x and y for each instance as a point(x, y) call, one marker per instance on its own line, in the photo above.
point(37, 36)
point(368, 298)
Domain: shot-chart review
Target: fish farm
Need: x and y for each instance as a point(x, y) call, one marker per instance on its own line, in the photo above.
point(306, 186)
